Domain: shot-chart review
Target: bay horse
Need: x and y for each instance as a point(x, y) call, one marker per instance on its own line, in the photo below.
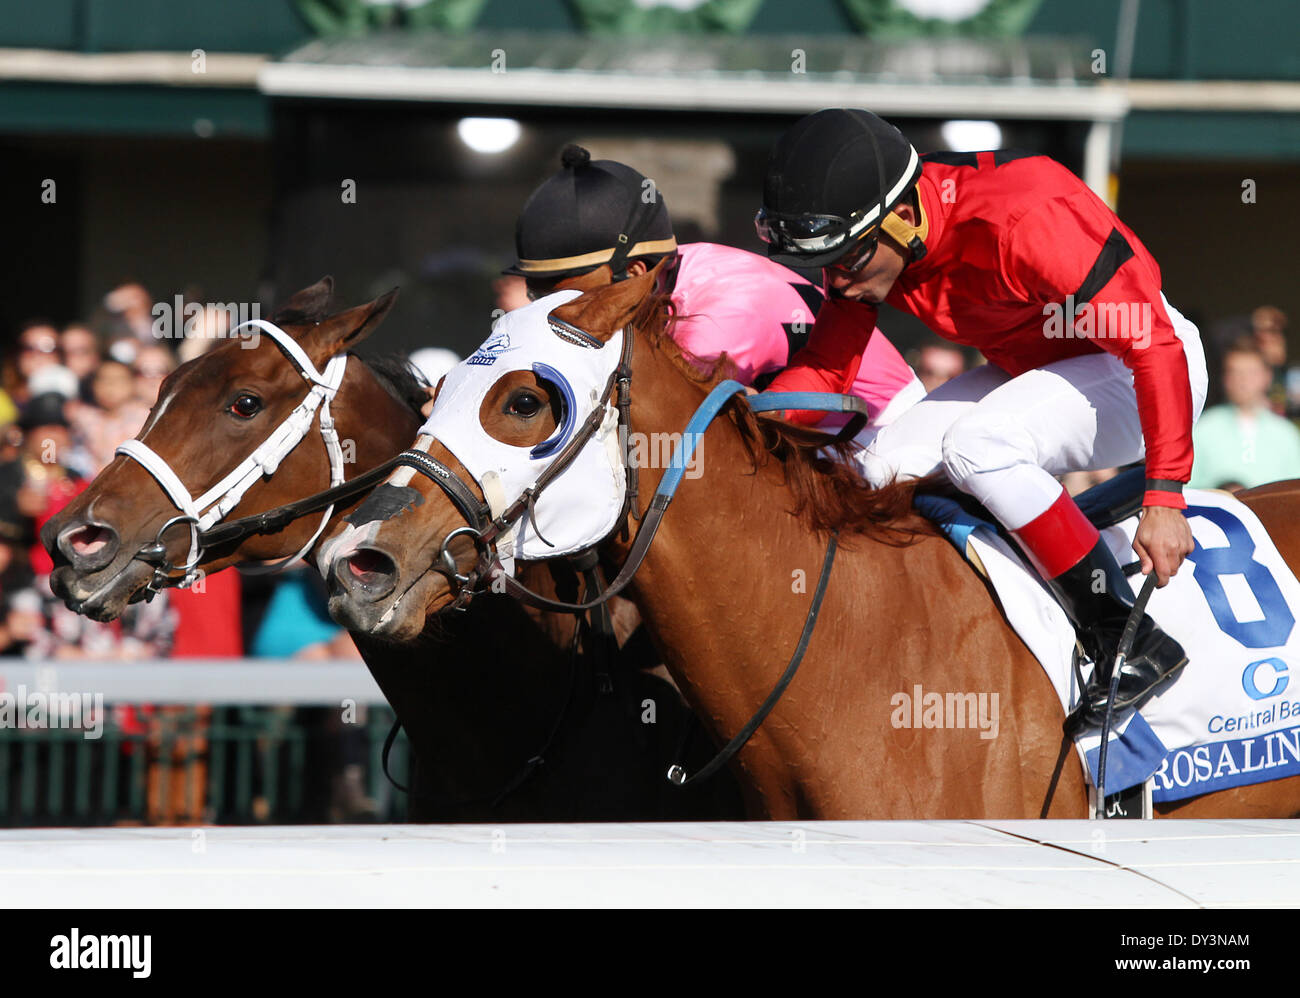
point(478, 695)
point(725, 586)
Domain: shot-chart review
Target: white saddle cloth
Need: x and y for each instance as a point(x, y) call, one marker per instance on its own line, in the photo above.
point(1232, 716)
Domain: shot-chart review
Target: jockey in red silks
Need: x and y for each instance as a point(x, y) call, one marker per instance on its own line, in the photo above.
point(591, 224)
point(1089, 365)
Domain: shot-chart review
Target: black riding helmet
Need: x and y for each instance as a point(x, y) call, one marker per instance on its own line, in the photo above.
point(589, 214)
point(831, 178)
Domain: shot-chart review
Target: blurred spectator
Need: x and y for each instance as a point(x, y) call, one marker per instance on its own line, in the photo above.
point(1243, 441)
point(48, 484)
point(15, 572)
point(1268, 325)
point(297, 623)
point(117, 414)
point(208, 329)
point(153, 363)
point(123, 349)
point(35, 483)
point(509, 292)
point(56, 379)
point(209, 618)
point(80, 350)
point(144, 630)
point(936, 364)
point(38, 347)
point(433, 362)
point(131, 306)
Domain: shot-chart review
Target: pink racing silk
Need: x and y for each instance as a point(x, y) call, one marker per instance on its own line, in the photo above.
point(732, 301)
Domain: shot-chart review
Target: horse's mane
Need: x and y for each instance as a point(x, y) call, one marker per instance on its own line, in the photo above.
point(399, 379)
point(829, 490)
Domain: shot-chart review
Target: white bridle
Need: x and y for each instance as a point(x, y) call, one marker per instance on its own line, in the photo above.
point(215, 504)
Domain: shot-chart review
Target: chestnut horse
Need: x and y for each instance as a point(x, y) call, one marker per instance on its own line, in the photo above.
point(727, 582)
point(479, 694)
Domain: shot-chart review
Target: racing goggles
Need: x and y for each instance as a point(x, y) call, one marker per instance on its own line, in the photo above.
point(859, 255)
point(805, 233)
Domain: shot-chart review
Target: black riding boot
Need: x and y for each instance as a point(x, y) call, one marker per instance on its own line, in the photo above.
point(1097, 598)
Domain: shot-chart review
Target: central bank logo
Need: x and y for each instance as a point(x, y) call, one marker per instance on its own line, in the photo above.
point(1263, 673)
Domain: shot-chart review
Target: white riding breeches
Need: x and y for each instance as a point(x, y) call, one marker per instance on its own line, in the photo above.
point(1002, 439)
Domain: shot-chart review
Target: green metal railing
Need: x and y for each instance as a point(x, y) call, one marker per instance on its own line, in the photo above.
point(191, 764)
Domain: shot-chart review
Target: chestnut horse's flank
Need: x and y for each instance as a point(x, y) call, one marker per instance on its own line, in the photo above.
point(478, 696)
point(724, 590)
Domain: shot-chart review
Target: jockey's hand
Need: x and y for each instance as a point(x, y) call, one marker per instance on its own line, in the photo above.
point(1162, 541)
point(427, 409)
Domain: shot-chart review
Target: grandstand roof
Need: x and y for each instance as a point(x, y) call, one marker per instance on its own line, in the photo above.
point(1013, 78)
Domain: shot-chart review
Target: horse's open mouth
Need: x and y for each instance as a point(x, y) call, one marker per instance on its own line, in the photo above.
point(102, 596)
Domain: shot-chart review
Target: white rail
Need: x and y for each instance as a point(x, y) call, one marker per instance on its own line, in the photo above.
point(193, 681)
point(845, 863)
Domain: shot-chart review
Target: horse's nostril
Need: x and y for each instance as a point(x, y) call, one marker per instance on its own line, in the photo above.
point(371, 571)
point(89, 540)
point(89, 546)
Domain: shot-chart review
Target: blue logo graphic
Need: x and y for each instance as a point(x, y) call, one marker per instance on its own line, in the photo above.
point(1280, 681)
point(492, 348)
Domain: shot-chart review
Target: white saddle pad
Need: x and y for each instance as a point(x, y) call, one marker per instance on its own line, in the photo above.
point(1232, 716)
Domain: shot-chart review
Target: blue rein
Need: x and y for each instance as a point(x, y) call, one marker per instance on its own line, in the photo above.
point(704, 415)
point(762, 402)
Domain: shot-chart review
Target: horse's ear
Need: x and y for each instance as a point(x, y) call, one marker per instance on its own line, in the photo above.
point(346, 329)
point(603, 312)
point(311, 303)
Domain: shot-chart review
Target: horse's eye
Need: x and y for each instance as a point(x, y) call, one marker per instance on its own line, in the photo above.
point(246, 406)
point(524, 404)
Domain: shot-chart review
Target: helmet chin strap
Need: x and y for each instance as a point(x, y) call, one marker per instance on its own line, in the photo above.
point(910, 237)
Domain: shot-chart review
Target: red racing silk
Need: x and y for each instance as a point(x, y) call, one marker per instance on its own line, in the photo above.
point(1027, 265)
